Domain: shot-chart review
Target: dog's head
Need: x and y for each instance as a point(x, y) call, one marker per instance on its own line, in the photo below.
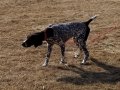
point(35, 39)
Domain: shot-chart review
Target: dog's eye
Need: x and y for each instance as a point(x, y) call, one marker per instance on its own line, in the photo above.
point(28, 36)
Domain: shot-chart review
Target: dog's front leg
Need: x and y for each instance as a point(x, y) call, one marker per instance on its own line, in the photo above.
point(62, 61)
point(48, 55)
point(85, 51)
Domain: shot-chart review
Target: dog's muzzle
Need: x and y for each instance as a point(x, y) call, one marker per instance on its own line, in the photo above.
point(24, 44)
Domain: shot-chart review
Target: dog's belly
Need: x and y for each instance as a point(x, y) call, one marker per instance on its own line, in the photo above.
point(56, 40)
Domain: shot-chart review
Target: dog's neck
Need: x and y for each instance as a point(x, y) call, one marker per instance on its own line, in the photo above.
point(48, 33)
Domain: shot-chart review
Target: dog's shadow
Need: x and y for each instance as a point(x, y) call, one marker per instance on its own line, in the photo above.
point(110, 75)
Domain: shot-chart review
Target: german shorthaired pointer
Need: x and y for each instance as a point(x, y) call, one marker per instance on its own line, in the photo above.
point(59, 34)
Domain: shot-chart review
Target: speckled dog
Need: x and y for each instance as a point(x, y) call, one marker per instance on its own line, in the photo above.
point(59, 34)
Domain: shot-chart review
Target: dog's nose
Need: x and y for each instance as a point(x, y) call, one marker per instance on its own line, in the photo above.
point(23, 44)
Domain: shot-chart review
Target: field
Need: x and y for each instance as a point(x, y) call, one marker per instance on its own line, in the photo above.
point(21, 68)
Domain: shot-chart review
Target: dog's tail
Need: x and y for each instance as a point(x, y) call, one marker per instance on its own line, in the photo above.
point(91, 19)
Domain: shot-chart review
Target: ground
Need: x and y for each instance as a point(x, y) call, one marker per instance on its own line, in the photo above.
point(21, 68)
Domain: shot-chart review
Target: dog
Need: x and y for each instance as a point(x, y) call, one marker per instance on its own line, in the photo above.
point(59, 34)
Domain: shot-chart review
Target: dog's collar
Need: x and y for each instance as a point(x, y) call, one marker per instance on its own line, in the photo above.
point(45, 35)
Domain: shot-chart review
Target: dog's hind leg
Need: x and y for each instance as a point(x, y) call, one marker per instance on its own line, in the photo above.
point(77, 48)
point(85, 51)
point(48, 55)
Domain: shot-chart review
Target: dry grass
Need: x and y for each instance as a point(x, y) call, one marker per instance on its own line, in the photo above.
point(20, 68)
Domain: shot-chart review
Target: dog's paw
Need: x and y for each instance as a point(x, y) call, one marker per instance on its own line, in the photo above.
point(82, 63)
point(44, 65)
point(63, 62)
point(86, 63)
point(76, 56)
point(66, 64)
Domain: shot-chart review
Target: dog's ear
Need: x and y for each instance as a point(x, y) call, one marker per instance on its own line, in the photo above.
point(38, 39)
point(37, 44)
